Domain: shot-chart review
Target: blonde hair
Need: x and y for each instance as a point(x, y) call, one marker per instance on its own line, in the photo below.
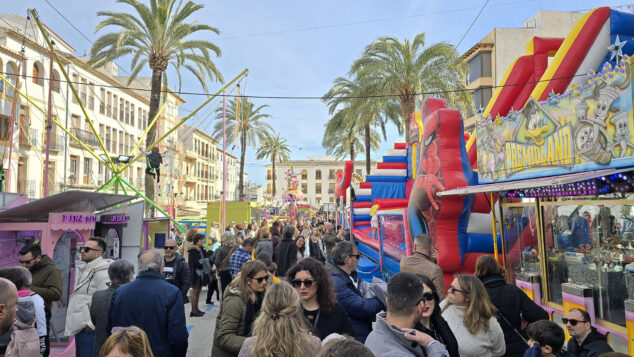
point(281, 320)
point(241, 282)
point(131, 340)
point(479, 308)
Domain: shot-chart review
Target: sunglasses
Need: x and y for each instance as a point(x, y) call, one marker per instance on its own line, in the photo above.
point(428, 296)
point(453, 290)
point(573, 322)
point(170, 247)
point(26, 261)
point(130, 330)
point(87, 249)
point(260, 280)
point(298, 283)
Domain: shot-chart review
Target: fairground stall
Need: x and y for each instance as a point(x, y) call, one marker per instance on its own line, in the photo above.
point(62, 223)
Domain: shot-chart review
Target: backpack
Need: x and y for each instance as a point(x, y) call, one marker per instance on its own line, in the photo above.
point(25, 341)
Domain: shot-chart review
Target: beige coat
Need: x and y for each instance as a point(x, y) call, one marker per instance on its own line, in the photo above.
point(421, 264)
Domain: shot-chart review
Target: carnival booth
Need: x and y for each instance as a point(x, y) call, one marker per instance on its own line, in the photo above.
point(62, 223)
point(155, 232)
point(563, 169)
point(122, 228)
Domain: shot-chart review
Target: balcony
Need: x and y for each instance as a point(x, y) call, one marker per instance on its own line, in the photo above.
point(31, 139)
point(87, 137)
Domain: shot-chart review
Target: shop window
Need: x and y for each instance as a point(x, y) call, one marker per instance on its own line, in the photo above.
point(590, 243)
point(520, 237)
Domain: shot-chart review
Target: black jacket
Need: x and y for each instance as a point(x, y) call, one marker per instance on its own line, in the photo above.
point(99, 308)
point(511, 301)
point(180, 277)
point(195, 254)
point(592, 346)
point(286, 255)
point(336, 321)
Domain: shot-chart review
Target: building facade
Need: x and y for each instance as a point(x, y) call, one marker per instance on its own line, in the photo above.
point(489, 59)
point(317, 175)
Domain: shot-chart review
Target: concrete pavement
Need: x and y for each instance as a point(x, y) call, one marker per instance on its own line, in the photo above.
point(201, 329)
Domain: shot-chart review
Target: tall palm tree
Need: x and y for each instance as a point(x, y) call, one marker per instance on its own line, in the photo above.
point(245, 127)
point(158, 36)
point(342, 138)
point(358, 94)
point(275, 149)
point(407, 69)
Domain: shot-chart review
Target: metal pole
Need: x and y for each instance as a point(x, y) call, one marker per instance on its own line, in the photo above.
point(49, 123)
point(66, 152)
point(224, 159)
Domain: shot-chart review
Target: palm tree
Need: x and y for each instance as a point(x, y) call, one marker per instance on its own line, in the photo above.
point(248, 127)
point(275, 149)
point(366, 111)
point(342, 138)
point(157, 36)
point(407, 69)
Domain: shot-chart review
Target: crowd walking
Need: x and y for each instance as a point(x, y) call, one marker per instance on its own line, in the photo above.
point(286, 290)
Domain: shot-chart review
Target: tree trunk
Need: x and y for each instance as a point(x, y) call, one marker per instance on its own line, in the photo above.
point(366, 130)
point(407, 108)
point(155, 99)
point(352, 151)
point(273, 178)
point(243, 153)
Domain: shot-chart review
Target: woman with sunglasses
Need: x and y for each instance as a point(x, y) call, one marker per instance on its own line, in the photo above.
point(240, 305)
point(471, 317)
point(316, 290)
point(512, 303)
point(280, 329)
point(129, 341)
point(432, 322)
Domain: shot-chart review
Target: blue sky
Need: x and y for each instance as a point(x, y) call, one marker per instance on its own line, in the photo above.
point(297, 48)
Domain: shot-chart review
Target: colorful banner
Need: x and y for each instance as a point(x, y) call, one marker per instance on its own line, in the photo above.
point(586, 128)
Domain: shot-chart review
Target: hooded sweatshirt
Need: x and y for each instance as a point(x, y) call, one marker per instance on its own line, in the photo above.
point(387, 340)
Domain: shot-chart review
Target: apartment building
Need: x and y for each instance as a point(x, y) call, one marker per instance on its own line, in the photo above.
point(490, 57)
point(316, 181)
point(119, 116)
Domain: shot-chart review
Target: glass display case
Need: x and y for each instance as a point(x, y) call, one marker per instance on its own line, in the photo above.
point(590, 243)
point(521, 240)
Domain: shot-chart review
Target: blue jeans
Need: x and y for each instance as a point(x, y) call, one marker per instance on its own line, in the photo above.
point(83, 343)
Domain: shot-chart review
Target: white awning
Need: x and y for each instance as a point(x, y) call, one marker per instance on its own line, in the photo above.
point(531, 183)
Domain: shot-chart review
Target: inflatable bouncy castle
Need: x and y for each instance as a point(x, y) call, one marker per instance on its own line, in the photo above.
point(406, 192)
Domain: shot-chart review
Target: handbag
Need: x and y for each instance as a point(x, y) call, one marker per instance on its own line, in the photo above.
point(224, 261)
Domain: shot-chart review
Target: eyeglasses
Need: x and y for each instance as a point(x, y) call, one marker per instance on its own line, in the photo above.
point(453, 290)
point(298, 283)
point(130, 330)
point(428, 296)
point(26, 261)
point(355, 255)
point(260, 279)
point(170, 247)
point(573, 322)
point(88, 249)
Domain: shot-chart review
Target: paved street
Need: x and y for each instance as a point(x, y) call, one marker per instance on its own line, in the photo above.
point(201, 328)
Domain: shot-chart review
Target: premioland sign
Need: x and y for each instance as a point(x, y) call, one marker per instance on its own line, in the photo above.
point(587, 128)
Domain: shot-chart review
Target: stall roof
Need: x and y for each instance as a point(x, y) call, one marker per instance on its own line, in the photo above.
point(531, 183)
point(69, 201)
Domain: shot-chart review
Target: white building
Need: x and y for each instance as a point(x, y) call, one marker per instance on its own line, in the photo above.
point(255, 193)
point(316, 181)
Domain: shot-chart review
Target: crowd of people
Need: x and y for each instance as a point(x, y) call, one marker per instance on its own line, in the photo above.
point(283, 289)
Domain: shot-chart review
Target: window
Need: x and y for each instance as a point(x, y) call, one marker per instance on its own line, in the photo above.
point(481, 97)
point(304, 175)
point(38, 73)
point(102, 101)
point(55, 81)
point(4, 127)
point(87, 171)
point(74, 161)
point(91, 92)
point(331, 174)
point(268, 175)
point(331, 188)
point(305, 188)
point(318, 174)
point(318, 188)
point(479, 66)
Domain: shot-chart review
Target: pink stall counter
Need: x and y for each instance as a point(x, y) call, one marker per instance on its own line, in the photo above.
point(61, 223)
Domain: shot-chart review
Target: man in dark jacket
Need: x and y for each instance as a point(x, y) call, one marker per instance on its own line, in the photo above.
point(361, 311)
point(154, 305)
point(47, 279)
point(8, 309)
point(586, 341)
point(286, 251)
point(512, 303)
point(120, 272)
point(175, 268)
point(264, 245)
